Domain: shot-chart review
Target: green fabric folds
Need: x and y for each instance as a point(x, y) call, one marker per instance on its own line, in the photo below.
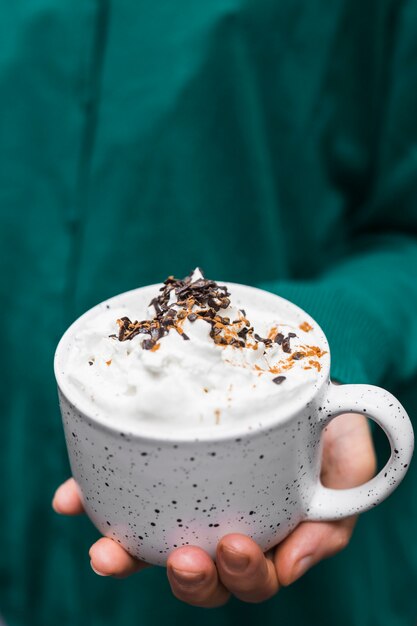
point(272, 143)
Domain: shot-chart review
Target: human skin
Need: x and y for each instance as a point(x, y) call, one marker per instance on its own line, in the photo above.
point(241, 568)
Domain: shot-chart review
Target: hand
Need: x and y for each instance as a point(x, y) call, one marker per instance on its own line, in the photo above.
point(348, 460)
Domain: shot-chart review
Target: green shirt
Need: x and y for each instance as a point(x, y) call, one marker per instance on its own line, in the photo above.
point(272, 143)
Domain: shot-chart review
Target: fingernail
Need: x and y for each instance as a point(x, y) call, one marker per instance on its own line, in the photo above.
point(234, 560)
point(301, 567)
point(187, 579)
point(96, 571)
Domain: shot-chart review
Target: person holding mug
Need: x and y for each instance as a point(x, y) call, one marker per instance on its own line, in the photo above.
point(272, 144)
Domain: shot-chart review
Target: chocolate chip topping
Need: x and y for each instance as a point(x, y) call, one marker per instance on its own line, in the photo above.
point(278, 379)
point(285, 344)
point(205, 294)
point(200, 299)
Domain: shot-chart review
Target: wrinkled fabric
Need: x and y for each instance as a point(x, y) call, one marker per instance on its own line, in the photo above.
point(270, 142)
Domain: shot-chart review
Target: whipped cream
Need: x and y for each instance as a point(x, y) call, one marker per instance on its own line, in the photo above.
point(196, 358)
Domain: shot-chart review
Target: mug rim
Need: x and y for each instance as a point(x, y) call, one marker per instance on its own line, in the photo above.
point(190, 435)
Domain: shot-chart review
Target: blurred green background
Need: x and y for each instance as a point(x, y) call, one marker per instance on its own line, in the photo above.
point(270, 142)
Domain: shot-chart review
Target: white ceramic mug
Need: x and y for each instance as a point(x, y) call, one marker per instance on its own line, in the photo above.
point(155, 491)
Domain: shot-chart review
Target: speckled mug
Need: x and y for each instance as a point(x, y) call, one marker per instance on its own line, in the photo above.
point(154, 491)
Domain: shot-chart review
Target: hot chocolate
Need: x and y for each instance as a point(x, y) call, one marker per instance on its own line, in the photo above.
point(199, 356)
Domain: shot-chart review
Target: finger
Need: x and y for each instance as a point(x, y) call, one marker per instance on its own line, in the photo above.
point(108, 558)
point(244, 569)
point(193, 578)
point(349, 457)
point(67, 499)
point(310, 543)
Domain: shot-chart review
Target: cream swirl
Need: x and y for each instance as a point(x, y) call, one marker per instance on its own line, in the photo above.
point(223, 372)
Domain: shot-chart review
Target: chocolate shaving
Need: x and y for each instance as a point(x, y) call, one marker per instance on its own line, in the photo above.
point(298, 355)
point(199, 299)
point(123, 325)
point(197, 284)
point(278, 379)
point(202, 293)
point(279, 338)
point(286, 344)
point(266, 341)
point(156, 306)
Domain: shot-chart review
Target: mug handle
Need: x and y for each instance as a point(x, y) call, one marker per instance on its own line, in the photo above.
point(384, 409)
